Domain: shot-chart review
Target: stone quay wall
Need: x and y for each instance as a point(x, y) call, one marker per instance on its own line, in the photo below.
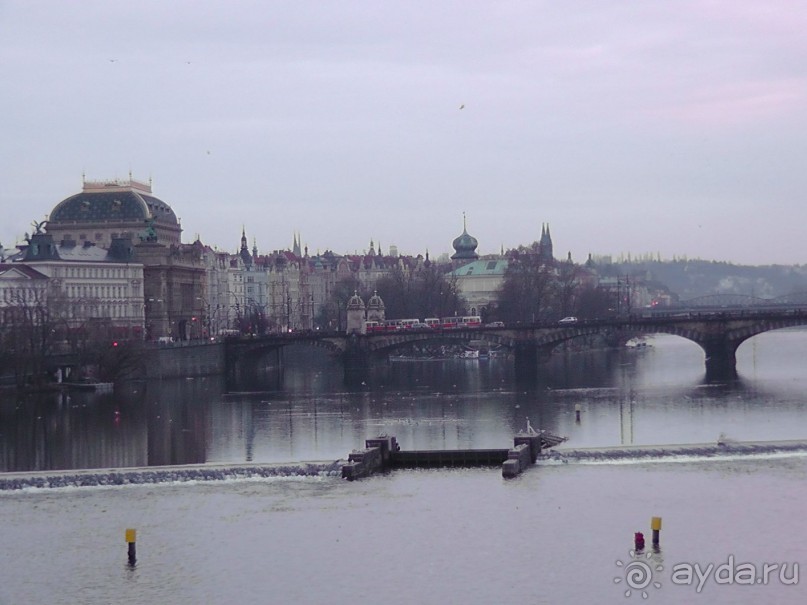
point(181, 360)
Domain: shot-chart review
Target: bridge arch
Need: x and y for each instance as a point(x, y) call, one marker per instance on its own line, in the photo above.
point(243, 356)
point(719, 335)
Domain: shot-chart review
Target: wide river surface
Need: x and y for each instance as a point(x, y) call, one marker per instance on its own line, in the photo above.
point(733, 524)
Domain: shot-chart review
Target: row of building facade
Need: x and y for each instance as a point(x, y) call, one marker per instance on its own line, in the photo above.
point(113, 253)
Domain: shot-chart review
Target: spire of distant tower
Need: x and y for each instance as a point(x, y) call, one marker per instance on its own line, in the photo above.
point(246, 258)
point(254, 247)
point(546, 242)
point(296, 246)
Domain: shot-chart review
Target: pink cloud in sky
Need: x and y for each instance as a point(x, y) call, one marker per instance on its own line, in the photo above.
point(734, 104)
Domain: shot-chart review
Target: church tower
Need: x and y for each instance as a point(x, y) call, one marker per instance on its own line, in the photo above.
point(547, 253)
point(296, 245)
point(246, 257)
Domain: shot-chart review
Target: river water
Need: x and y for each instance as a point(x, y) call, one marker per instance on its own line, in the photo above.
point(560, 533)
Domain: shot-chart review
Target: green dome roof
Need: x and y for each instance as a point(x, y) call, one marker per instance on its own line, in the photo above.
point(465, 247)
point(115, 202)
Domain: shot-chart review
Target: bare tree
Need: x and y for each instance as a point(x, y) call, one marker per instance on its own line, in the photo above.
point(427, 292)
point(28, 334)
point(594, 302)
point(568, 287)
point(333, 314)
point(528, 292)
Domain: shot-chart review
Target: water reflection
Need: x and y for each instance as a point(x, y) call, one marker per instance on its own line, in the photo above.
point(653, 395)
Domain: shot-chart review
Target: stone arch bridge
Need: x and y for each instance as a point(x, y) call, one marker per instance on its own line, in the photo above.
point(719, 334)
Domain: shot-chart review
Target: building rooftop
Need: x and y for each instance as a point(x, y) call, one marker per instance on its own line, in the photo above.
point(482, 267)
point(113, 201)
point(8, 270)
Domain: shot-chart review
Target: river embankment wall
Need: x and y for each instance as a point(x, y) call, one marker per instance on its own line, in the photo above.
point(185, 359)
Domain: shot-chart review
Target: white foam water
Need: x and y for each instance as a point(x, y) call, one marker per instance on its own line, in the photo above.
point(676, 453)
point(164, 475)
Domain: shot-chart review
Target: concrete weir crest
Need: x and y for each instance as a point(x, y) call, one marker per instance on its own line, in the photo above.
point(383, 453)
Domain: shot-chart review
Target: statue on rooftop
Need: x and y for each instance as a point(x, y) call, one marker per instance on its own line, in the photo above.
point(38, 226)
point(150, 234)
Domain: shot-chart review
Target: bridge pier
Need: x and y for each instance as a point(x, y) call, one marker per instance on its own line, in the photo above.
point(525, 359)
point(356, 362)
point(244, 372)
point(721, 359)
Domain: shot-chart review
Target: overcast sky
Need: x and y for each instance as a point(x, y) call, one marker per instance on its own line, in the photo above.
point(677, 128)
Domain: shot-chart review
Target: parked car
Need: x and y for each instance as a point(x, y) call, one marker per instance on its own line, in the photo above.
point(568, 320)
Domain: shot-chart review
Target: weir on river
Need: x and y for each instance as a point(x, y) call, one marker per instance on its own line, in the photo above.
point(363, 463)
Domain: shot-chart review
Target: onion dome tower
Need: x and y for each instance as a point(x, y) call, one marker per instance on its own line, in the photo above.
point(464, 245)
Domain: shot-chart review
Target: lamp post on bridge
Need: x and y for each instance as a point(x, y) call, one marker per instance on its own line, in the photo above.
point(623, 298)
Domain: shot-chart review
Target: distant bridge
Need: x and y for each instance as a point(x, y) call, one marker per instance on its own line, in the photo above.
point(736, 302)
point(718, 333)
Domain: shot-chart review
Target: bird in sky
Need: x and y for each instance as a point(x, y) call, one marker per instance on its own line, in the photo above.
point(462, 106)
